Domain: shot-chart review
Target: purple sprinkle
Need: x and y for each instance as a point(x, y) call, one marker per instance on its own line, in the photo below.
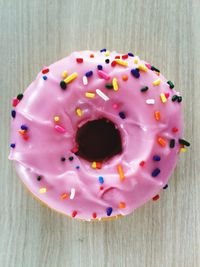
point(122, 115)
point(13, 113)
point(156, 158)
point(89, 73)
point(135, 73)
point(109, 211)
point(24, 127)
point(166, 186)
point(103, 50)
point(155, 172)
point(99, 67)
point(77, 167)
point(130, 54)
point(12, 145)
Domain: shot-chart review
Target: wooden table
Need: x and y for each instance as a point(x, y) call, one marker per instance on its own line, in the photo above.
point(166, 33)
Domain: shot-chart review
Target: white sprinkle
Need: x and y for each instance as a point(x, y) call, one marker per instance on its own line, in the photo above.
point(150, 101)
point(72, 195)
point(85, 80)
point(102, 95)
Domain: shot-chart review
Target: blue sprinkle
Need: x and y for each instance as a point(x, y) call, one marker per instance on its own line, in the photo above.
point(99, 67)
point(130, 54)
point(44, 77)
point(101, 180)
point(155, 172)
point(122, 115)
point(165, 187)
point(103, 50)
point(77, 167)
point(13, 113)
point(24, 127)
point(109, 211)
point(89, 73)
point(12, 145)
point(156, 158)
point(135, 73)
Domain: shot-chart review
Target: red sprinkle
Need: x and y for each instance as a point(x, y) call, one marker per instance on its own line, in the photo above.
point(94, 215)
point(74, 150)
point(74, 213)
point(156, 198)
point(25, 137)
point(125, 56)
point(117, 57)
point(79, 60)
point(174, 129)
point(45, 71)
point(142, 163)
point(101, 187)
point(167, 95)
point(15, 101)
point(113, 64)
point(148, 65)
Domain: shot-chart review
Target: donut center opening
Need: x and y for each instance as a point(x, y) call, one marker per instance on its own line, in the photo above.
point(98, 140)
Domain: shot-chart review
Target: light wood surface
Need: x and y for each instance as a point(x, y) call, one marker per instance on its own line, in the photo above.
point(166, 33)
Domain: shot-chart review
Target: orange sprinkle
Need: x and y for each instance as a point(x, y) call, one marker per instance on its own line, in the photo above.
point(124, 78)
point(161, 141)
point(98, 165)
point(121, 172)
point(22, 132)
point(64, 196)
point(122, 205)
point(157, 115)
point(92, 55)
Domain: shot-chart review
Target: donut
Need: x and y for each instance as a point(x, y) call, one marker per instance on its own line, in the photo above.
point(97, 134)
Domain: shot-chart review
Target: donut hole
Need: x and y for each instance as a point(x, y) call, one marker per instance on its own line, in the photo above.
point(98, 140)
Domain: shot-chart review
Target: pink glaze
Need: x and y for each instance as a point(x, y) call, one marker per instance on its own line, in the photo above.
point(40, 154)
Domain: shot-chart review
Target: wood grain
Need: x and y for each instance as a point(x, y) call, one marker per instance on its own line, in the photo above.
point(166, 33)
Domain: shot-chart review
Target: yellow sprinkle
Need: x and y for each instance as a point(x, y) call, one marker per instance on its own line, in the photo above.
point(156, 82)
point(94, 165)
point(143, 68)
point(121, 172)
point(135, 60)
point(183, 149)
point(43, 190)
point(71, 77)
point(56, 118)
point(121, 62)
point(163, 98)
point(107, 53)
point(64, 74)
point(79, 112)
point(90, 95)
point(115, 84)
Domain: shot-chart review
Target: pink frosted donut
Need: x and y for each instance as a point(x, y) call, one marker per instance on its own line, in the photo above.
point(97, 134)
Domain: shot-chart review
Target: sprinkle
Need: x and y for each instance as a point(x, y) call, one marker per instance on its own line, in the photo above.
point(71, 77)
point(156, 158)
point(156, 198)
point(172, 143)
point(64, 74)
point(89, 73)
point(94, 215)
point(103, 50)
point(22, 132)
point(161, 141)
point(85, 80)
point(122, 115)
point(144, 89)
point(122, 205)
point(89, 95)
point(135, 73)
point(179, 99)
point(143, 68)
point(154, 69)
point(20, 96)
point(109, 86)
point(121, 172)
point(102, 74)
point(101, 187)
point(63, 159)
point(157, 115)
point(150, 101)
point(156, 82)
point(56, 118)
point(155, 172)
point(167, 95)
point(174, 129)
point(115, 84)
point(166, 186)
point(24, 127)
point(184, 142)
point(72, 194)
point(45, 71)
point(135, 60)
point(13, 113)
point(183, 149)
point(142, 163)
point(39, 178)
point(64, 196)
point(124, 78)
point(77, 167)
point(59, 129)
point(102, 95)
point(12, 145)
point(74, 150)
point(117, 57)
point(113, 63)
point(125, 56)
point(42, 190)
point(74, 213)
point(71, 158)
point(15, 101)
point(109, 211)
point(99, 67)
point(91, 55)
point(107, 61)
point(163, 98)
point(101, 180)
point(130, 54)
point(148, 65)
point(79, 112)
point(121, 62)
point(176, 98)
point(44, 78)
point(171, 85)
point(107, 53)
point(115, 106)
point(79, 60)
point(63, 85)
